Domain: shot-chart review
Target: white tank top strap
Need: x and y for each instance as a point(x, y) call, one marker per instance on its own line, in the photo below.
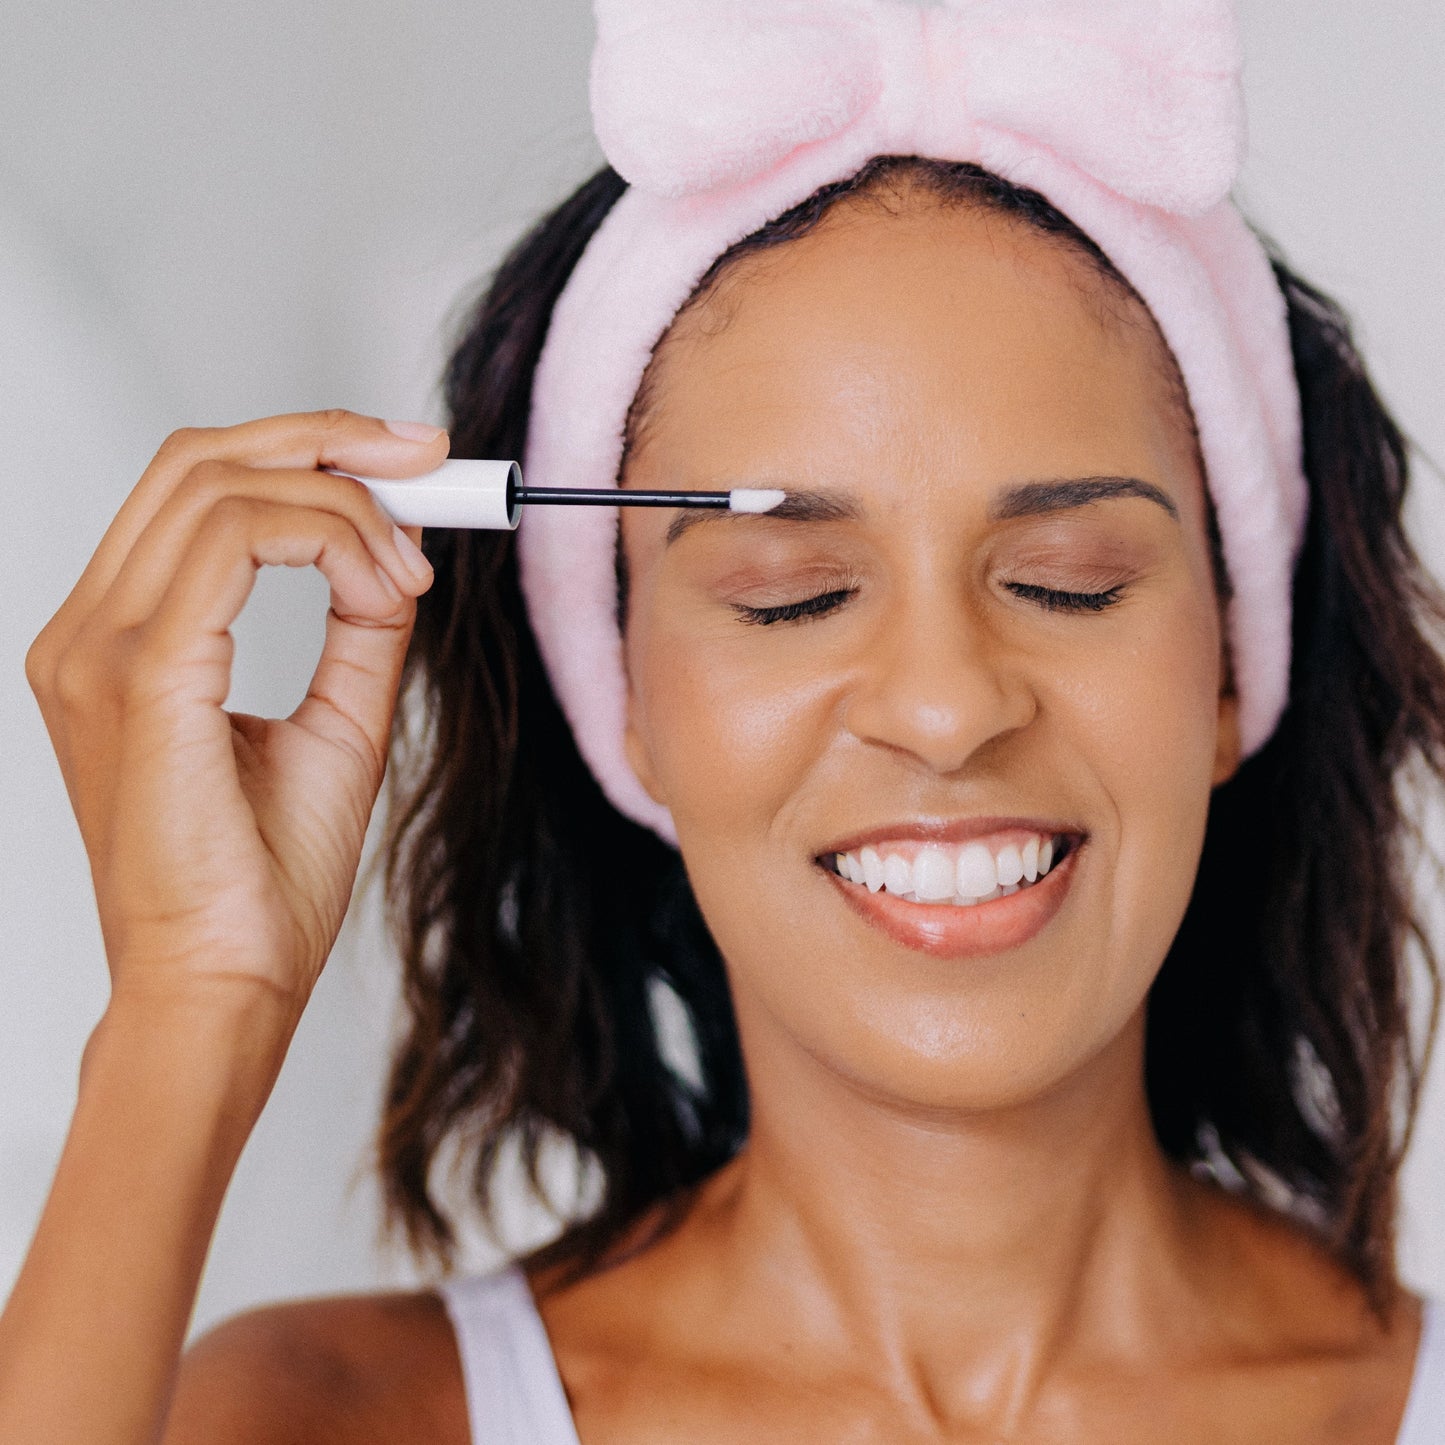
point(1424, 1422)
point(514, 1393)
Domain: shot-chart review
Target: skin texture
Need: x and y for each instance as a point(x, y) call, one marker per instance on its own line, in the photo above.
point(951, 1221)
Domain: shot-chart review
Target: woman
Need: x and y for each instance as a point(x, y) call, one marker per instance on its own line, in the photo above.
point(1017, 1045)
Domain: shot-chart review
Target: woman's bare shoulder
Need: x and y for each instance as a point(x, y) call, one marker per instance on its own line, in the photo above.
point(1291, 1304)
point(358, 1368)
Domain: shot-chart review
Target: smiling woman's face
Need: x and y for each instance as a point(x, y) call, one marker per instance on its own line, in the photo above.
point(988, 630)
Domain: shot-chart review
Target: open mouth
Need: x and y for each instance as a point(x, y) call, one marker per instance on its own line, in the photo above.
point(960, 875)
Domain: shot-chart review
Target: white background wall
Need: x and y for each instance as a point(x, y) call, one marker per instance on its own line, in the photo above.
point(210, 212)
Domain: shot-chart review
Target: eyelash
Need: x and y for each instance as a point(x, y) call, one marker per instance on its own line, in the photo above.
point(1049, 598)
point(1053, 600)
point(794, 611)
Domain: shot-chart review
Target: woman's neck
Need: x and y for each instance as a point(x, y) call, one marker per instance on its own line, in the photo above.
point(925, 1239)
point(996, 1266)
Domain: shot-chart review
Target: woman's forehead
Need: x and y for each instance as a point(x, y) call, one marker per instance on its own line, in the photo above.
point(943, 336)
point(905, 229)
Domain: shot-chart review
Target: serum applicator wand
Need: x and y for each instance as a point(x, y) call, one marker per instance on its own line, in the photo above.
point(490, 496)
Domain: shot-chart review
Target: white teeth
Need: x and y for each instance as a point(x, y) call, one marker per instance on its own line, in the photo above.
point(872, 869)
point(977, 874)
point(897, 875)
point(933, 876)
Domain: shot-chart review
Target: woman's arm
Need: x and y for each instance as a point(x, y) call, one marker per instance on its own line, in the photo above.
point(93, 1330)
point(223, 851)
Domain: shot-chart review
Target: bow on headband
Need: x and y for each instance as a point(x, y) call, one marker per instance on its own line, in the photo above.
point(696, 95)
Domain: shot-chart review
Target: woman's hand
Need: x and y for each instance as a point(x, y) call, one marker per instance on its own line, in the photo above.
point(224, 847)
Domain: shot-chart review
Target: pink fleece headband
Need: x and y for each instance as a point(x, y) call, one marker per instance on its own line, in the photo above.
point(722, 114)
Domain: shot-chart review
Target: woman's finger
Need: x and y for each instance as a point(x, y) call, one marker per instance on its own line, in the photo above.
point(352, 694)
point(186, 642)
point(304, 440)
point(152, 561)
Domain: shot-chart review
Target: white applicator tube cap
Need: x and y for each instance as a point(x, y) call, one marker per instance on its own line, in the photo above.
point(459, 493)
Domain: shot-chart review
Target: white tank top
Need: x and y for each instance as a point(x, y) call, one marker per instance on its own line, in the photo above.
point(515, 1395)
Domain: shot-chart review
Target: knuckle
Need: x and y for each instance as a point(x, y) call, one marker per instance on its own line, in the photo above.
point(73, 680)
point(335, 419)
point(349, 490)
point(184, 442)
point(336, 528)
point(209, 478)
point(40, 664)
point(230, 513)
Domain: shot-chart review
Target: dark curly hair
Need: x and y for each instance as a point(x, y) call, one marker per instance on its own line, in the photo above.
point(537, 926)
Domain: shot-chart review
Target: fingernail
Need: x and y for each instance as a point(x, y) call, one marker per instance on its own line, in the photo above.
point(415, 431)
point(412, 556)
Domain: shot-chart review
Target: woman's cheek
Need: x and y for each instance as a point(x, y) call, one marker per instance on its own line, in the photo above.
point(733, 724)
point(1147, 716)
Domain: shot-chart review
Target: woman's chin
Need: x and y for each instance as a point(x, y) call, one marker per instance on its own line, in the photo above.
point(944, 1070)
point(931, 1009)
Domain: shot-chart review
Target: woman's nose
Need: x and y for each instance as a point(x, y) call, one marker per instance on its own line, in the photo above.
point(936, 685)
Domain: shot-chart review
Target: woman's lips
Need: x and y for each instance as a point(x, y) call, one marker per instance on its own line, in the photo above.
point(947, 930)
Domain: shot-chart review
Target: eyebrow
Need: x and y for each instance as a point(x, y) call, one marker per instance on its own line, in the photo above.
point(1030, 499)
point(796, 506)
point(1033, 499)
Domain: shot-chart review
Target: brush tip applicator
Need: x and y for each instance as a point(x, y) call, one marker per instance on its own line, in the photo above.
point(755, 500)
point(490, 496)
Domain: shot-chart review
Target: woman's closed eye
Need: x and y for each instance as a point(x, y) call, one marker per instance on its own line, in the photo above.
point(1051, 599)
point(1054, 599)
point(814, 606)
